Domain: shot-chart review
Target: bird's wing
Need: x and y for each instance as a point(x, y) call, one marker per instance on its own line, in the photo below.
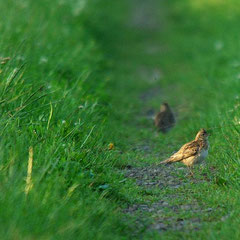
point(158, 118)
point(162, 119)
point(187, 150)
point(172, 118)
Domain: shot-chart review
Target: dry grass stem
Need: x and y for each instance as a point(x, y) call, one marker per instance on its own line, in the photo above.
point(29, 171)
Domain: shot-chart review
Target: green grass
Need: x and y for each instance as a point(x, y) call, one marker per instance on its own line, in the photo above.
point(201, 68)
point(53, 98)
point(73, 85)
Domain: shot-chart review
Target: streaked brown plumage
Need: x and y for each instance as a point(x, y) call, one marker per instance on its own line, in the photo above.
point(165, 119)
point(193, 152)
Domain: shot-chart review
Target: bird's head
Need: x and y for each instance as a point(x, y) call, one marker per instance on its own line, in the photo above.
point(164, 106)
point(202, 134)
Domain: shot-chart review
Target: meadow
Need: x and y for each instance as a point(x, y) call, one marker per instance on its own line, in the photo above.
point(78, 80)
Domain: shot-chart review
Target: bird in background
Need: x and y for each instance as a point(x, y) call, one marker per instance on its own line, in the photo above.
point(165, 119)
point(193, 152)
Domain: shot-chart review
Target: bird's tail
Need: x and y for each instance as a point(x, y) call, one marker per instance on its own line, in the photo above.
point(167, 161)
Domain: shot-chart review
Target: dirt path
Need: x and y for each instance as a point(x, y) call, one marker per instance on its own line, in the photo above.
point(164, 213)
point(170, 182)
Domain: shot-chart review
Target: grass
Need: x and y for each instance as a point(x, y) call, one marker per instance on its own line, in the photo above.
point(53, 100)
point(73, 85)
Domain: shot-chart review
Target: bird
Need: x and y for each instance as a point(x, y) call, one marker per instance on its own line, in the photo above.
point(165, 119)
point(193, 152)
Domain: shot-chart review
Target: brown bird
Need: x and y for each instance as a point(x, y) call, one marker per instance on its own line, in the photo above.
point(193, 152)
point(165, 119)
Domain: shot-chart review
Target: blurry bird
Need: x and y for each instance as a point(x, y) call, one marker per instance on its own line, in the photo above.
point(165, 119)
point(193, 152)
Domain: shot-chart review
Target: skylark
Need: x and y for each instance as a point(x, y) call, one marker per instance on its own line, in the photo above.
point(165, 119)
point(193, 152)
